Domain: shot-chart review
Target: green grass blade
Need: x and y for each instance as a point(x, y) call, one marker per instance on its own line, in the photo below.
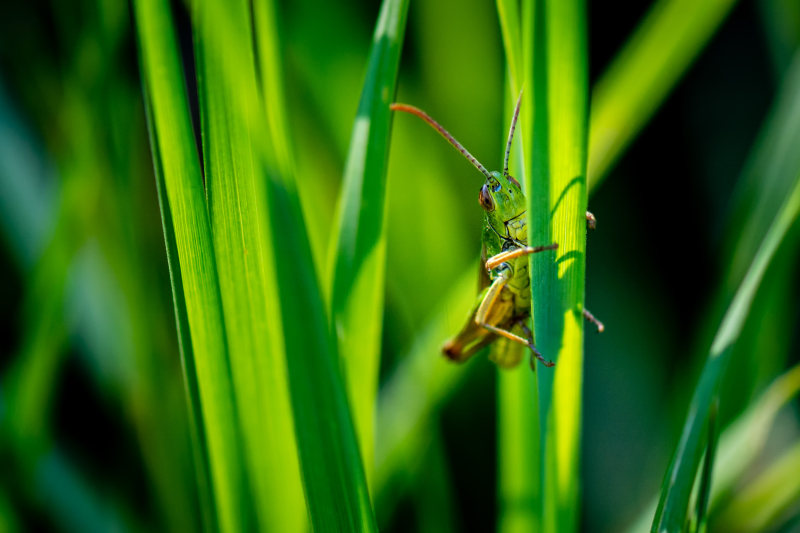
point(520, 489)
point(556, 179)
point(270, 70)
point(674, 500)
point(233, 142)
point(333, 475)
point(163, 82)
point(196, 425)
point(359, 260)
point(511, 32)
point(644, 72)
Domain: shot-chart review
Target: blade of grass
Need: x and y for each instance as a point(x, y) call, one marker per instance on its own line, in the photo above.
point(163, 82)
point(359, 253)
point(519, 445)
point(270, 70)
point(556, 75)
point(332, 472)
point(333, 475)
point(230, 106)
point(197, 432)
point(644, 72)
point(519, 486)
point(674, 500)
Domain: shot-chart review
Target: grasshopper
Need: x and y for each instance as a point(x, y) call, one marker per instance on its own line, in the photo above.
point(503, 305)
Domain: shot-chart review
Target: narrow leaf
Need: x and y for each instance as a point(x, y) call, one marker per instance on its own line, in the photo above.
point(556, 159)
point(234, 144)
point(183, 184)
point(359, 260)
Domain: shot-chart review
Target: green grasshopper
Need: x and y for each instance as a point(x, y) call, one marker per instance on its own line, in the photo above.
point(503, 306)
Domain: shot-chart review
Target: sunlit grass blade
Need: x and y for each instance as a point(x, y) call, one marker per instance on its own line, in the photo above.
point(519, 465)
point(333, 475)
point(270, 70)
point(332, 472)
point(644, 72)
point(555, 159)
point(673, 504)
point(234, 144)
point(511, 32)
point(183, 184)
point(359, 260)
point(197, 432)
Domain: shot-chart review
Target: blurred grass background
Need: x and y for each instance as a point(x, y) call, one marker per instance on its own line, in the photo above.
point(95, 432)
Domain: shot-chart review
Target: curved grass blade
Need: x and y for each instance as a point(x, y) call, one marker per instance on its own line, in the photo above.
point(270, 70)
point(740, 444)
point(183, 184)
point(331, 468)
point(359, 254)
point(644, 72)
point(196, 426)
point(333, 475)
point(674, 501)
point(555, 160)
point(234, 143)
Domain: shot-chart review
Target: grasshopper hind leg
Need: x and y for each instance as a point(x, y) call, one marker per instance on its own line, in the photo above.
point(507, 353)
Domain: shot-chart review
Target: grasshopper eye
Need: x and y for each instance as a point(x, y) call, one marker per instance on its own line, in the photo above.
point(485, 199)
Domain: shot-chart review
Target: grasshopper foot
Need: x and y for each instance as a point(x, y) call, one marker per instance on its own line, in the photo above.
point(535, 353)
point(590, 317)
point(590, 220)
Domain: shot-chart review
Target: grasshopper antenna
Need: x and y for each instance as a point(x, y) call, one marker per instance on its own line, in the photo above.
point(511, 134)
point(444, 133)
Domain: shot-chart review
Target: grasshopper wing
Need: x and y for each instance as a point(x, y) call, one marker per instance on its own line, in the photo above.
point(471, 338)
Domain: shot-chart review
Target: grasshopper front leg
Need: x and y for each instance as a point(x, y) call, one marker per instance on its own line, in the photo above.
point(485, 310)
point(502, 257)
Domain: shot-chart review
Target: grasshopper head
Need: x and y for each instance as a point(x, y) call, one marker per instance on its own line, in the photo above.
point(501, 197)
